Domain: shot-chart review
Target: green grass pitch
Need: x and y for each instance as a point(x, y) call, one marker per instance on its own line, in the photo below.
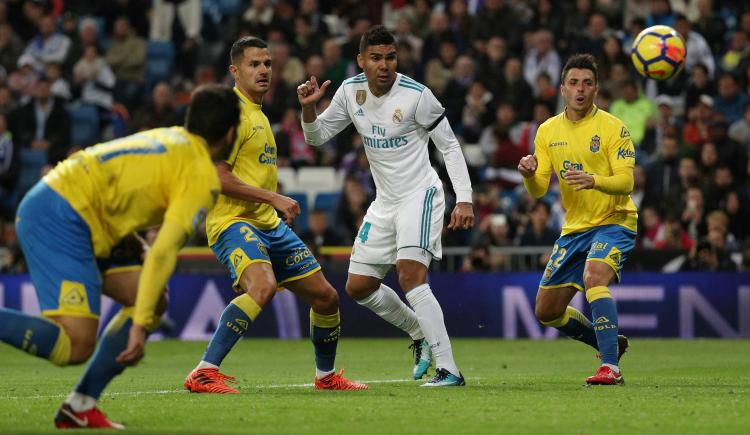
point(514, 387)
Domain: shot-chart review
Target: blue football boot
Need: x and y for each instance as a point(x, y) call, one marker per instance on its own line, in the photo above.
point(422, 358)
point(444, 378)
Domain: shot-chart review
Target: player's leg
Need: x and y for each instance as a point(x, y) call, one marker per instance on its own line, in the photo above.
point(244, 250)
point(610, 247)
point(373, 254)
point(562, 279)
point(325, 328)
point(121, 284)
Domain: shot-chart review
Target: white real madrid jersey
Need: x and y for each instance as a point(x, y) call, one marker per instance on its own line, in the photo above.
point(394, 129)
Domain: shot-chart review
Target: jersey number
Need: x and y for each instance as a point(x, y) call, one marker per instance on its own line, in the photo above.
point(559, 259)
point(249, 235)
point(364, 231)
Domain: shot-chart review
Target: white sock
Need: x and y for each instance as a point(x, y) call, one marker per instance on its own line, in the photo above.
point(385, 303)
point(320, 374)
point(206, 365)
point(613, 367)
point(431, 320)
point(80, 402)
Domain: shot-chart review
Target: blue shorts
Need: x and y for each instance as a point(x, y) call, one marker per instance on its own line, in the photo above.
point(609, 244)
point(242, 244)
point(56, 243)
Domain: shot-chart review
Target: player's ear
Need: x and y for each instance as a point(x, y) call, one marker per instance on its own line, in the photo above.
point(360, 61)
point(233, 70)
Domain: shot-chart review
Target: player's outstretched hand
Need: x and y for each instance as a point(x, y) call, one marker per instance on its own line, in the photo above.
point(462, 217)
point(136, 346)
point(288, 207)
point(309, 92)
point(527, 166)
point(579, 180)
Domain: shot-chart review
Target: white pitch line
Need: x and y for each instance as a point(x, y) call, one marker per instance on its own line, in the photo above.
point(161, 392)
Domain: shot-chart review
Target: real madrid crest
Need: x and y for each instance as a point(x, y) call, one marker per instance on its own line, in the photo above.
point(594, 146)
point(361, 97)
point(397, 116)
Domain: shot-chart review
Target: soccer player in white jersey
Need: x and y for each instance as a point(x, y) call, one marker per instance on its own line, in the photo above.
point(396, 116)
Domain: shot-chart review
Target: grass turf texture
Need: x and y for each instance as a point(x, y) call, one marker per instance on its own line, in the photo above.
point(521, 386)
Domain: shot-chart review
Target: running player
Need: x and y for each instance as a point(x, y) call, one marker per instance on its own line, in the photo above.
point(84, 207)
point(592, 154)
point(259, 249)
point(396, 117)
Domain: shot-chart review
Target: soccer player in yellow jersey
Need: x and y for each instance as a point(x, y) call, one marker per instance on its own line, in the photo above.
point(81, 210)
point(591, 153)
point(259, 249)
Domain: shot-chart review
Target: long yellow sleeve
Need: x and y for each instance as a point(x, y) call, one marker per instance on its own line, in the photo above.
point(621, 183)
point(157, 268)
point(537, 185)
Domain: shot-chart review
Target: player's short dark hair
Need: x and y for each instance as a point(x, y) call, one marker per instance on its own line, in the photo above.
point(213, 110)
point(581, 61)
point(376, 35)
point(239, 46)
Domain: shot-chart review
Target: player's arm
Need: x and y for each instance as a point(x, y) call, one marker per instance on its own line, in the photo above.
point(430, 114)
point(318, 129)
point(233, 187)
point(536, 169)
point(621, 155)
point(157, 268)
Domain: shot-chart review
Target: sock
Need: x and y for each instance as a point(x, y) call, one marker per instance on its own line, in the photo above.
point(324, 333)
point(102, 367)
point(233, 324)
point(576, 326)
point(431, 321)
point(35, 335)
point(385, 303)
point(604, 313)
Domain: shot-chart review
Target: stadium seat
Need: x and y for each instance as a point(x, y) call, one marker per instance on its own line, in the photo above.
point(84, 125)
point(328, 202)
point(300, 224)
point(160, 58)
point(317, 178)
point(288, 178)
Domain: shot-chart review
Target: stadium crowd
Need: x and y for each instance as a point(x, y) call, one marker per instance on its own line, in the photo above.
point(130, 65)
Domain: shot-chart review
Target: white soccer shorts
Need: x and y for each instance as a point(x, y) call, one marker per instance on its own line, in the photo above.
point(408, 230)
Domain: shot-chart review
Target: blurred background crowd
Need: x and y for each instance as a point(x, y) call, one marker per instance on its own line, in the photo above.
point(74, 73)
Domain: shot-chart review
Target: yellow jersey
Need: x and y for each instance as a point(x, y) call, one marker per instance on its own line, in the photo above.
point(598, 144)
point(253, 160)
point(138, 181)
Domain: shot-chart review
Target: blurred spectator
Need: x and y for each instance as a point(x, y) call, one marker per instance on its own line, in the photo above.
point(537, 231)
point(478, 260)
point(497, 18)
point(542, 57)
point(407, 62)
point(672, 236)
point(420, 18)
point(650, 225)
point(730, 101)
point(660, 13)
point(497, 140)
point(635, 110)
point(461, 22)
point(7, 103)
point(548, 15)
point(137, 11)
point(306, 43)
point(403, 34)
point(737, 52)
point(352, 207)
point(43, 124)
point(439, 72)
point(529, 129)
point(491, 64)
point(592, 40)
point(719, 188)
point(514, 90)
point(87, 35)
point(730, 152)
point(350, 49)
point(709, 160)
point(699, 84)
point(545, 92)
point(711, 26)
point(127, 58)
point(288, 68)
point(59, 86)
point(739, 131)
point(310, 10)
point(11, 48)
point(94, 79)
point(162, 18)
point(454, 95)
point(259, 17)
point(663, 178)
point(476, 111)
point(337, 69)
point(698, 51)
point(440, 32)
point(291, 141)
point(666, 123)
point(698, 127)
point(356, 165)
point(9, 167)
point(49, 45)
point(639, 185)
point(23, 80)
point(694, 212)
point(612, 54)
point(159, 112)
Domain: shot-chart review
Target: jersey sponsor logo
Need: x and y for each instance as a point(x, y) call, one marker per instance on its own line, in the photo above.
point(595, 143)
point(624, 132)
point(601, 319)
point(361, 96)
point(268, 156)
point(615, 255)
point(392, 142)
point(298, 257)
point(359, 112)
point(242, 323)
point(624, 153)
point(599, 246)
point(74, 295)
point(570, 166)
point(397, 115)
point(561, 143)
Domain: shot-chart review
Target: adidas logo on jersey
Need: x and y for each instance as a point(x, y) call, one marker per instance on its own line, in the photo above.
point(359, 112)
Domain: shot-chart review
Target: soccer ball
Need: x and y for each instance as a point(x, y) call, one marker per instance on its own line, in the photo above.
point(659, 53)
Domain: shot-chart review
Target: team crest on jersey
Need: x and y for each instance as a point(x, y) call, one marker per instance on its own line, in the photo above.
point(624, 132)
point(594, 146)
point(361, 97)
point(397, 116)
